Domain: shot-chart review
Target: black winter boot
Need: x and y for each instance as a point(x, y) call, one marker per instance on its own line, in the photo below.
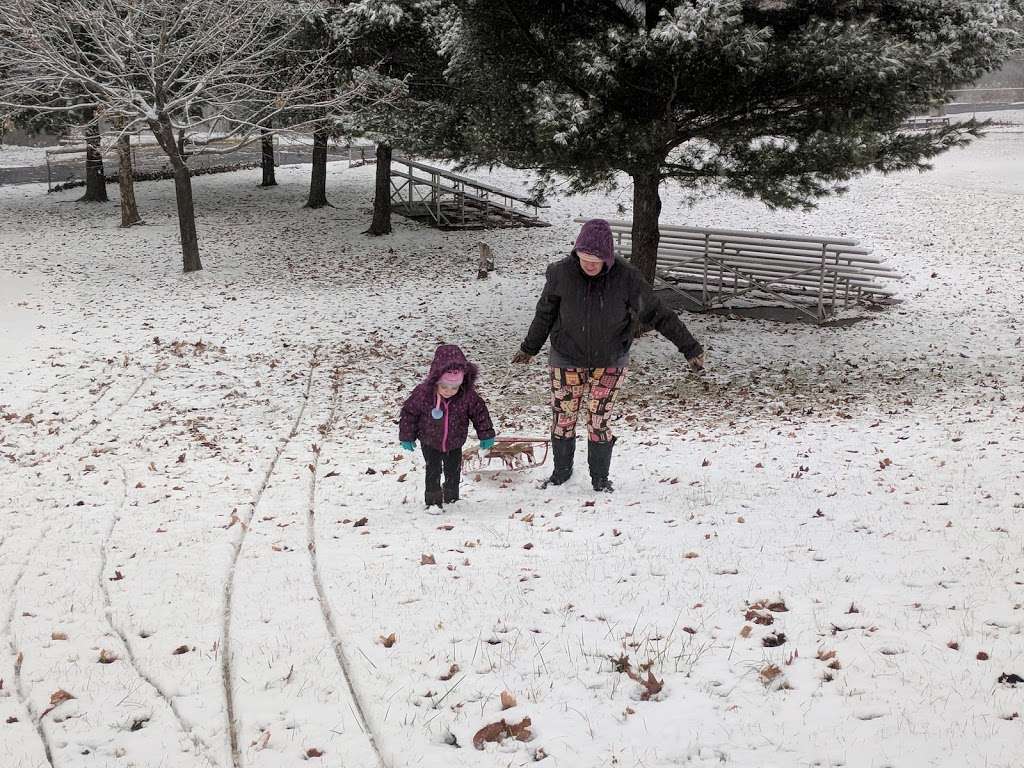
point(433, 498)
point(563, 449)
point(599, 459)
point(450, 492)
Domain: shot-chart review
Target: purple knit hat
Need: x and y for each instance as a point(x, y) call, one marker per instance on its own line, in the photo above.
point(596, 237)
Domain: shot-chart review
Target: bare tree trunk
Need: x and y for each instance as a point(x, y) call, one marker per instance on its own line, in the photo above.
point(183, 194)
point(129, 208)
point(318, 178)
point(267, 160)
point(381, 224)
point(646, 211)
point(95, 181)
point(186, 218)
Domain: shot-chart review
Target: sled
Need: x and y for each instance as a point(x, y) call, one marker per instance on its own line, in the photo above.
point(514, 453)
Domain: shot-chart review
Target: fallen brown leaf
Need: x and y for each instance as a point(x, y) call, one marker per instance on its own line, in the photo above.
point(427, 560)
point(507, 700)
point(497, 732)
point(57, 698)
point(261, 741)
point(759, 617)
point(769, 673)
point(652, 686)
point(452, 671)
point(388, 641)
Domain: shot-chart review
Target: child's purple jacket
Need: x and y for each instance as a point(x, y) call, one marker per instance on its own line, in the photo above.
point(465, 406)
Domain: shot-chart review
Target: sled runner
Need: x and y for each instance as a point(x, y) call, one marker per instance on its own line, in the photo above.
point(514, 453)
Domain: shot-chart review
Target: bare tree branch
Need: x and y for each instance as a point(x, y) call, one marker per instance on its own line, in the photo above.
point(177, 67)
point(199, 65)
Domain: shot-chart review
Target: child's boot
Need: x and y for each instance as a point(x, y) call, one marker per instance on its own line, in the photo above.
point(450, 492)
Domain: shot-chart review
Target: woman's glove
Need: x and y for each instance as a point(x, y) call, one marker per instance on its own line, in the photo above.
point(407, 445)
point(486, 444)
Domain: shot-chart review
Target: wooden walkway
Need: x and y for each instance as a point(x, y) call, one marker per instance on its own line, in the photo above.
point(447, 200)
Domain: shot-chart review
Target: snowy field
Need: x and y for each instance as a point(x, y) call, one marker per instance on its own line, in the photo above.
point(16, 156)
point(813, 557)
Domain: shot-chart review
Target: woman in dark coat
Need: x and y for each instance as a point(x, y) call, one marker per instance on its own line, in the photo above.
point(591, 308)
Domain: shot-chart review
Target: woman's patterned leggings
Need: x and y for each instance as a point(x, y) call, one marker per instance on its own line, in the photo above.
point(568, 385)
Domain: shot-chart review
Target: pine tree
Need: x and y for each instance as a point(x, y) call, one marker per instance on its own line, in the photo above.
point(398, 41)
point(779, 100)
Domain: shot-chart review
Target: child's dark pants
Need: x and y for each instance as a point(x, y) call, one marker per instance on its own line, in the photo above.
point(451, 464)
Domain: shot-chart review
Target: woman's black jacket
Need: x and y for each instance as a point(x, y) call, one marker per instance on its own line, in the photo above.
point(592, 320)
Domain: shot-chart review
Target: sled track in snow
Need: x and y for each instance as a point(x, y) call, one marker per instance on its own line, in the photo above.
point(103, 389)
point(17, 655)
point(92, 427)
point(325, 609)
point(97, 422)
point(229, 583)
point(186, 727)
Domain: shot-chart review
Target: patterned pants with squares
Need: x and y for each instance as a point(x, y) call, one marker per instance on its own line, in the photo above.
point(568, 387)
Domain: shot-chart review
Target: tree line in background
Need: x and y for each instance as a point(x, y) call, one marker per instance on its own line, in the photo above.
point(780, 100)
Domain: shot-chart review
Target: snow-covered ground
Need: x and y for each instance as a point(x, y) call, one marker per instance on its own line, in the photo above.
point(205, 520)
point(16, 156)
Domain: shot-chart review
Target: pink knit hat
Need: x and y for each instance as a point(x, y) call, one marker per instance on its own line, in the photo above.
point(452, 377)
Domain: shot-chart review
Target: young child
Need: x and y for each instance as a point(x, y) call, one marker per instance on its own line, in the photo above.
point(438, 413)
